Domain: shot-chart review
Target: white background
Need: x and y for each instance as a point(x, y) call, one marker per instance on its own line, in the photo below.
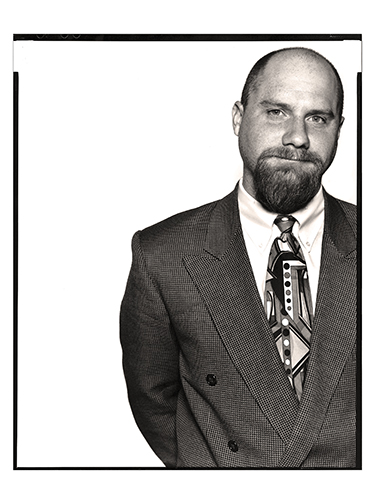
point(100, 398)
point(115, 136)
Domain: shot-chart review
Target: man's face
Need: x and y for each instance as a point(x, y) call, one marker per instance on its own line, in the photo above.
point(288, 132)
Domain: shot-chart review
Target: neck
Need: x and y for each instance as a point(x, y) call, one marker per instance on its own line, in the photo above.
point(248, 184)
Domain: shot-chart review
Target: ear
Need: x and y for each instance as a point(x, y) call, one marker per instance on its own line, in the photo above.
point(341, 124)
point(237, 114)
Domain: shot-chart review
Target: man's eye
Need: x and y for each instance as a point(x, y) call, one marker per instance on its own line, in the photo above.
point(317, 119)
point(275, 112)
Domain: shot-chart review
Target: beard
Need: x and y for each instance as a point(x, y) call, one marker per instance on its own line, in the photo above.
point(284, 187)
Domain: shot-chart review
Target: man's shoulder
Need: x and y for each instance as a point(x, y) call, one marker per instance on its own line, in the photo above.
point(180, 223)
point(341, 219)
point(184, 232)
point(350, 211)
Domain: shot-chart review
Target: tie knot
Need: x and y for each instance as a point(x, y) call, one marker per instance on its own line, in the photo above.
point(285, 222)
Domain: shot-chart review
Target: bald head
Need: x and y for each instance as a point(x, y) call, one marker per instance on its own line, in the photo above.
point(271, 63)
point(288, 125)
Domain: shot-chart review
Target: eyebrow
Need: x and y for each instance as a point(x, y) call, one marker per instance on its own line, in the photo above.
point(327, 112)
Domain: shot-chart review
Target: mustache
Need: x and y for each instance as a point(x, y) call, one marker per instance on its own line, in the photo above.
point(291, 154)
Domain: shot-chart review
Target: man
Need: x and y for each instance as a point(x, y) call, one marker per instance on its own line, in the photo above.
point(238, 323)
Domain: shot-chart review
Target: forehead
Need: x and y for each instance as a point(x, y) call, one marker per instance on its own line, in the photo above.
point(299, 78)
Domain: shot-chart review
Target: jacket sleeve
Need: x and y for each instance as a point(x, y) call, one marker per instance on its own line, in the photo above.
point(150, 359)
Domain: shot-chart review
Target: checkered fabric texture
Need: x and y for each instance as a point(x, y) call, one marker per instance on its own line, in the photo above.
point(205, 380)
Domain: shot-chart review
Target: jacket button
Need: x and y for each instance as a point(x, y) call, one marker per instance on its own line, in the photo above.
point(211, 379)
point(233, 446)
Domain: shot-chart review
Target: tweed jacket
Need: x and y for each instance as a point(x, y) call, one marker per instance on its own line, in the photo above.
point(205, 380)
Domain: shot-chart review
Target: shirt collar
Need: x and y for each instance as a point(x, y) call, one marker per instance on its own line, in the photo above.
point(310, 221)
point(259, 223)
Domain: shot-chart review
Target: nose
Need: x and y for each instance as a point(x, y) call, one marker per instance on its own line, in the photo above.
point(296, 134)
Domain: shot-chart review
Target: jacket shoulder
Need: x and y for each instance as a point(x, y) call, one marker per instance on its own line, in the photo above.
point(350, 211)
point(184, 232)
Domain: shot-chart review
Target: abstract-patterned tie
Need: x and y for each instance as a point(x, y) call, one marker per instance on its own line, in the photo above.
point(288, 303)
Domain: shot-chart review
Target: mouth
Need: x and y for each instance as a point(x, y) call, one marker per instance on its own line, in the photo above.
point(283, 159)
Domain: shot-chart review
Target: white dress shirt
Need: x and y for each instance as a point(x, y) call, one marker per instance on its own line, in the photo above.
point(259, 232)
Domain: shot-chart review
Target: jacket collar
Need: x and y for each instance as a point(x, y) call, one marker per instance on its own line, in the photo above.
point(337, 227)
point(224, 277)
point(225, 223)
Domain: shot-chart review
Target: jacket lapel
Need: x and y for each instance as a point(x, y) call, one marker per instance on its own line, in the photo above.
point(333, 334)
point(224, 278)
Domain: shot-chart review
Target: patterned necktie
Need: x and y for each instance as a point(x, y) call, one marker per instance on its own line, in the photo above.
point(288, 303)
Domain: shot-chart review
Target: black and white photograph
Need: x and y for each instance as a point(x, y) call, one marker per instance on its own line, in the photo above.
point(187, 280)
point(238, 350)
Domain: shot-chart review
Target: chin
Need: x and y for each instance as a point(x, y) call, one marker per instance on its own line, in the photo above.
point(286, 190)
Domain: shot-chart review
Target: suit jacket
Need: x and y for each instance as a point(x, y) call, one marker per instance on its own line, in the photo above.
point(205, 380)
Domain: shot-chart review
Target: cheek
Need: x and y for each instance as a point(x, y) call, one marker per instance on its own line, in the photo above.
point(249, 148)
point(323, 144)
point(257, 135)
point(255, 140)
